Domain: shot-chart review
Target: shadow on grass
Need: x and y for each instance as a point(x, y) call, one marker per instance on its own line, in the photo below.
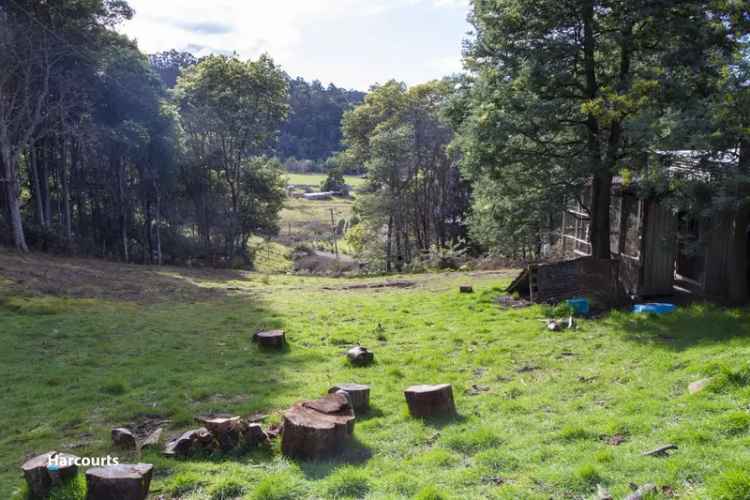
point(445, 421)
point(372, 412)
point(354, 453)
point(698, 324)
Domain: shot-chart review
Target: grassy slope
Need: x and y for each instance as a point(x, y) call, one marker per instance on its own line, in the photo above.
point(73, 368)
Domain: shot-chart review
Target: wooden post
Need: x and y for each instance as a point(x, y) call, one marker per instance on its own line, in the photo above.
point(333, 233)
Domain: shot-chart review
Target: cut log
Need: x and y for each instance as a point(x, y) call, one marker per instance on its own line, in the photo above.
point(317, 429)
point(119, 482)
point(252, 435)
point(189, 442)
point(358, 394)
point(645, 491)
point(360, 356)
point(43, 472)
point(226, 429)
point(152, 440)
point(124, 439)
point(466, 289)
point(274, 339)
point(430, 400)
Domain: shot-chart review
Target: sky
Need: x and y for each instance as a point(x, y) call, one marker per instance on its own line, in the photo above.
point(351, 43)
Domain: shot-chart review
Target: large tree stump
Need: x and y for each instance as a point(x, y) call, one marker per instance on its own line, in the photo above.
point(358, 394)
point(46, 471)
point(124, 439)
point(119, 482)
point(274, 339)
point(360, 356)
point(317, 429)
point(430, 400)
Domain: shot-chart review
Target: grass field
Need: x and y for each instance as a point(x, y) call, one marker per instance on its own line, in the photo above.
point(317, 179)
point(540, 412)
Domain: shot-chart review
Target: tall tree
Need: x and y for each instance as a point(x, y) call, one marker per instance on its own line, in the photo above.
point(414, 194)
point(571, 90)
point(231, 111)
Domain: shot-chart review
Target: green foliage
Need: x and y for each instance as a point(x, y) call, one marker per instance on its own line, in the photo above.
point(559, 94)
point(276, 487)
point(401, 138)
point(313, 129)
point(731, 484)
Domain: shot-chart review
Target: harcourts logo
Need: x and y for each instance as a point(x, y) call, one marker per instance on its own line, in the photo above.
point(59, 461)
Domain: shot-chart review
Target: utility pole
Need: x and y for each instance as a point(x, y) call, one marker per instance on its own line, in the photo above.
point(333, 232)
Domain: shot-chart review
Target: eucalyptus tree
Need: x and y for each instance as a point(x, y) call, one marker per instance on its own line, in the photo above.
point(414, 195)
point(231, 112)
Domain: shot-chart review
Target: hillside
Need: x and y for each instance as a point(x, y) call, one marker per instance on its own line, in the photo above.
point(90, 345)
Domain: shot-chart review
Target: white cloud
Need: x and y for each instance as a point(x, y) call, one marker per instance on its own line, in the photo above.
point(251, 27)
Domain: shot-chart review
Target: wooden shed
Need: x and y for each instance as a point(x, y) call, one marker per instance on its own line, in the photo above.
point(643, 240)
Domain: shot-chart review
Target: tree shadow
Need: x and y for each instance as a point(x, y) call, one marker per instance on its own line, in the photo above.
point(443, 421)
point(354, 453)
point(370, 413)
point(698, 324)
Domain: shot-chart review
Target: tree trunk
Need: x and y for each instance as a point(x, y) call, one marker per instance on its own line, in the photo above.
point(12, 196)
point(36, 186)
point(600, 226)
point(737, 265)
point(157, 230)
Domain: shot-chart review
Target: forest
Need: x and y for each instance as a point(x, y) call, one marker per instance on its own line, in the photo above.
point(170, 158)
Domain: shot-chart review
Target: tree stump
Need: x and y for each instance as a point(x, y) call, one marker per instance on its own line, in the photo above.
point(274, 339)
point(189, 443)
point(253, 435)
point(466, 289)
point(430, 400)
point(45, 471)
point(124, 439)
point(225, 429)
point(317, 429)
point(119, 482)
point(360, 356)
point(358, 394)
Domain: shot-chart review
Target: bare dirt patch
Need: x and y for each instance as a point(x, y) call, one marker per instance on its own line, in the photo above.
point(92, 278)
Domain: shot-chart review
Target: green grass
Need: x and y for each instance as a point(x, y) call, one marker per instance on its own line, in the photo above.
point(72, 369)
point(317, 179)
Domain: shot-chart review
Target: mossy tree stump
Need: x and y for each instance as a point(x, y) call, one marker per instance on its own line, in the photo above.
point(120, 482)
point(426, 401)
point(317, 429)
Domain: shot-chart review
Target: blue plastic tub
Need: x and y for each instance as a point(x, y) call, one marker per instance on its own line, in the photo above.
point(579, 305)
point(654, 308)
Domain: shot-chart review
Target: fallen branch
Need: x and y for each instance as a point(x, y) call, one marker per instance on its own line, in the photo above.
point(660, 451)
